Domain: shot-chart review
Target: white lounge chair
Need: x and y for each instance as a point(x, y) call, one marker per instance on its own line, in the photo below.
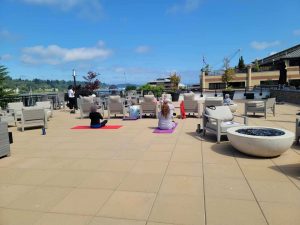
point(84, 105)
point(116, 106)
point(191, 105)
point(218, 119)
point(33, 117)
point(4, 140)
point(149, 106)
point(261, 106)
point(15, 108)
point(47, 106)
point(213, 101)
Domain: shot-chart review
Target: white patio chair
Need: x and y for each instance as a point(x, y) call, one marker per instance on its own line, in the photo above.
point(149, 106)
point(47, 106)
point(218, 119)
point(213, 101)
point(261, 106)
point(191, 105)
point(33, 117)
point(4, 140)
point(16, 109)
point(115, 106)
point(84, 105)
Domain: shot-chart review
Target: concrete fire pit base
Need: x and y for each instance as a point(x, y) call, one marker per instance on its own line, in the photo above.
point(262, 146)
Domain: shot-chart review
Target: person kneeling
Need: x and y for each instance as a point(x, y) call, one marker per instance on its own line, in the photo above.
point(165, 117)
point(96, 117)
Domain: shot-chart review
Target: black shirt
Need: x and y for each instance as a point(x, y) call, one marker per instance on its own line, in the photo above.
point(95, 118)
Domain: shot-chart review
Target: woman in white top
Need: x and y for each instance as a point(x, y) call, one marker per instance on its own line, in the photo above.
point(165, 116)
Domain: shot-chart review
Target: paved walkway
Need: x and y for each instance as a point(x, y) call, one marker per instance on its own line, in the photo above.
point(131, 176)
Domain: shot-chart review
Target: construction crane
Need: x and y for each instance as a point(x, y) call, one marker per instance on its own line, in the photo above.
point(228, 59)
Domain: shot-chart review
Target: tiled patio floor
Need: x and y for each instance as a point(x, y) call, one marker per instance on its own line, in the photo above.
point(131, 176)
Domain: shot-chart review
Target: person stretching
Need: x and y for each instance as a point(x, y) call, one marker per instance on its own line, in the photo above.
point(96, 117)
point(165, 117)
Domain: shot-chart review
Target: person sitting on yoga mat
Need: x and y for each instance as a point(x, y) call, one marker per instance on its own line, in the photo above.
point(165, 116)
point(96, 117)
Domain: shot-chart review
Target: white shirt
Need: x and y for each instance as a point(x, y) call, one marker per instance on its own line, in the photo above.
point(71, 93)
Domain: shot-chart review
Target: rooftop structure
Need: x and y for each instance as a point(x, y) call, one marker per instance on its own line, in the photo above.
point(132, 176)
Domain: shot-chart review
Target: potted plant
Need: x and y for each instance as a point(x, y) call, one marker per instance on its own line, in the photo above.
point(175, 80)
point(227, 77)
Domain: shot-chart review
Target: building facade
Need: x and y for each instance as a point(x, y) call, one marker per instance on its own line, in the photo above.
point(280, 68)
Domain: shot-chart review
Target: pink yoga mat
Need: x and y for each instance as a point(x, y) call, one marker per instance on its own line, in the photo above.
point(159, 131)
point(106, 127)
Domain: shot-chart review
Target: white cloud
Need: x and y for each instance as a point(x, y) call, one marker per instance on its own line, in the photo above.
point(142, 49)
point(5, 57)
point(54, 54)
point(272, 53)
point(296, 32)
point(264, 45)
point(86, 8)
point(7, 35)
point(185, 6)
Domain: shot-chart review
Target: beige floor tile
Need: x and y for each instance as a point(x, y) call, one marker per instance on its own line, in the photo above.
point(154, 223)
point(280, 213)
point(10, 192)
point(59, 219)
point(261, 173)
point(86, 164)
point(141, 182)
point(111, 221)
point(82, 201)
point(18, 217)
point(150, 167)
point(182, 185)
point(129, 205)
point(161, 147)
point(42, 163)
point(105, 180)
point(34, 177)
point(102, 154)
point(233, 188)
point(272, 191)
point(229, 212)
point(41, 198)
point(129, 154)
point(187, 156)
point(10, 161)
point(156, 156)
point(222, 171)
point(185, 169)
point(9, 175)
point(67, 178)
point(118, 165)
point(178, 209)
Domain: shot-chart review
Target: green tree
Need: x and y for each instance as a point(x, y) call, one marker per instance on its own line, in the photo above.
point(3, 77)
point(130, 88)
point(241, 64)
point(175, 80)
point(228, 73)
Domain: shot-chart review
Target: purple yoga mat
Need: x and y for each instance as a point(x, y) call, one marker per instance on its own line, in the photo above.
point(159, 131)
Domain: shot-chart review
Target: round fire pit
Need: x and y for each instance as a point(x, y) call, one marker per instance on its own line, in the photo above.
point(260, 141)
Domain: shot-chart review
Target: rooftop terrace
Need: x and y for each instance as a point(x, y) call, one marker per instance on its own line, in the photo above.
point(131, 176)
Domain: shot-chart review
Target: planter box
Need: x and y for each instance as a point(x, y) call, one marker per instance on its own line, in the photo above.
point(175, 96)
point(249, 95)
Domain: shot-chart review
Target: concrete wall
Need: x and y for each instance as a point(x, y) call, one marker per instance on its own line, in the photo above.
point(290, 96)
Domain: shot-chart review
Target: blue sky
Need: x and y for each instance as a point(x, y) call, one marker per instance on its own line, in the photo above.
point(143, 39)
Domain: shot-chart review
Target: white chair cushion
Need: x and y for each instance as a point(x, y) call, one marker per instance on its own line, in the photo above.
point(220, 112)
point(88, 99)
point(224, 125)
point(256, 104)
point(189, 96)
point(115, 99)
point(148, 98)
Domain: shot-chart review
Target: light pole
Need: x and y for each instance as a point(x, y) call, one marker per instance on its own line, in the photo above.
point(74, 78)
